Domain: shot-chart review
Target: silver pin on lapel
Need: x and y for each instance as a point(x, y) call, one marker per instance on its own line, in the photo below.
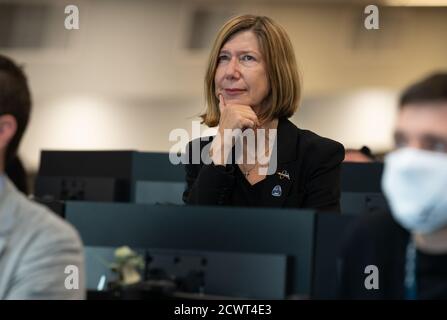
point(284, 174)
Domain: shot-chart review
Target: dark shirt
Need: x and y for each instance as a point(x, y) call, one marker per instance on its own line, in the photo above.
point(246, 194)
point(376, 239)
point(433, 274)
point(312, 163)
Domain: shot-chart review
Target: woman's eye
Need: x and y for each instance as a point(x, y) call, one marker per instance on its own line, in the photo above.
point(439, 146)
point(400, 142)
point(223, 58)
point(247, 57)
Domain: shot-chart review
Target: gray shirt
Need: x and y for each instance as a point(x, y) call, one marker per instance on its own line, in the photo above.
point(41, 256)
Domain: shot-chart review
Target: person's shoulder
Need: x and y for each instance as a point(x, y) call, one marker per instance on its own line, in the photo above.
point(319, 144)
point(43, 245)
point(371, 240)
point(317, 149)
point(45, 225)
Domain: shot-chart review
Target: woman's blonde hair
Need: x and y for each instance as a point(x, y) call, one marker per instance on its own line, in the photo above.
point(281, 67)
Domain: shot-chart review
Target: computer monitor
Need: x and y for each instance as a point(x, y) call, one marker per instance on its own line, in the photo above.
point(328, 238)
point(361, 177)
point(109, 176)
point(362, 202)
point(160, 192)
point(285, 233)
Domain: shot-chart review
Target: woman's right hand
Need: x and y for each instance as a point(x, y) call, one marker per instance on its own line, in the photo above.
point(232, 116)
point(236, 116)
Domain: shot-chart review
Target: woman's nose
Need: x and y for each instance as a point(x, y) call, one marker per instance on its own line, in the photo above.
point(232, 70)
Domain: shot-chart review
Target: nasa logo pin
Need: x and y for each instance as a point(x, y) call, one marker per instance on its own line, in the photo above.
point(276, 192)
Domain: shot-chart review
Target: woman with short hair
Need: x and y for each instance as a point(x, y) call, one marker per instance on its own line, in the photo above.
point(252, 87)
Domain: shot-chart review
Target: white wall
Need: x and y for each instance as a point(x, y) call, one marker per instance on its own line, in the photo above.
point(357, 118)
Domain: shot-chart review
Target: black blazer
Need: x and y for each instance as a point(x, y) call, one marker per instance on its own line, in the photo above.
point(312, 162)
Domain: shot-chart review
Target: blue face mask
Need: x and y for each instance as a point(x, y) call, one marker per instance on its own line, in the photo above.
point(415, 185)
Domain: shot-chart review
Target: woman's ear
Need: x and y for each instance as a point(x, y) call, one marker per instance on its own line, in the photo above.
point(8, 128)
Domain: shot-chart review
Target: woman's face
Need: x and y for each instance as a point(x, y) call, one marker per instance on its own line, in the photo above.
point(241, 75)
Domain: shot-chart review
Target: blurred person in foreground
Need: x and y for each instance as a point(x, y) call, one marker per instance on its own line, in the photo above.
point(41, 256)
point(403, 254)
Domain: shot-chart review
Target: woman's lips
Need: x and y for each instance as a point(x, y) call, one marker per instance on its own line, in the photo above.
point(233, 92)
